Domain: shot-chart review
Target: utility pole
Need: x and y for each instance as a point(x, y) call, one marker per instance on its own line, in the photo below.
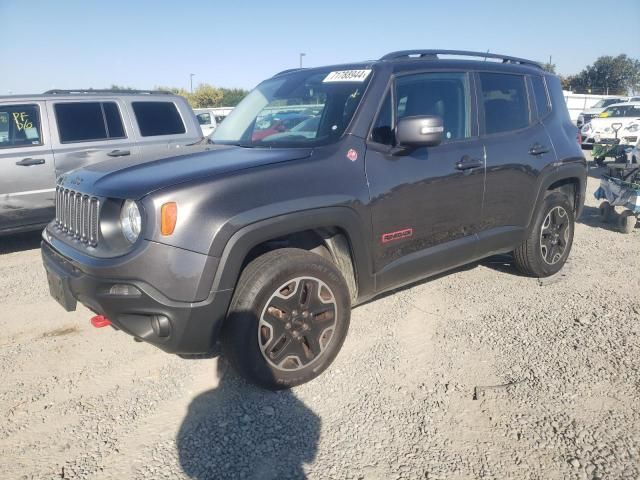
point(191, 75)
point(302, 55)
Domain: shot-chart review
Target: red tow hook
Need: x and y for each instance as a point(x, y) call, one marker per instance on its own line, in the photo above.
point(100, 321)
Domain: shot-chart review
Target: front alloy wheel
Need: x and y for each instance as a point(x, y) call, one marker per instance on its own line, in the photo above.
point(288, 318)
point(297, 323)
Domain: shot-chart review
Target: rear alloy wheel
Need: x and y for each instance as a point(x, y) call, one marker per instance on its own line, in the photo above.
point(627, 221)
point(547, 247)
point(606, 211)
point(554, 235)
point(288, 318)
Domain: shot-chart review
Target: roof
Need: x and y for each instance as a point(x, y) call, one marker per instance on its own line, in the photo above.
point(407, 60)
point(79, 94)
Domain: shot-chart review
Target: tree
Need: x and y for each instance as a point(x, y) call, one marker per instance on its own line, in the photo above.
point(608, 75)
point(120, 87)
point(232, 96)
point(549, 67)
point(205, 95)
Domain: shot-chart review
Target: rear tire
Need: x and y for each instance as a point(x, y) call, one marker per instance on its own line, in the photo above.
point(606, 211)
point(627, 221)
point(288, 318)
point(547, 247)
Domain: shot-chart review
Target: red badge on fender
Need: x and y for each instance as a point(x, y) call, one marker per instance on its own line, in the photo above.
point(352, 155)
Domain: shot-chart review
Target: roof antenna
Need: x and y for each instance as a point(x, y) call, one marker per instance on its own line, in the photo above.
point(485, 58)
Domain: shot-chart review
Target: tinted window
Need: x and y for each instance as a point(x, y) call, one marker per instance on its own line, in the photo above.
point(442, 94)
point(540, 92)
point(505, 102)
point(114, 120)
point(383, 129)
point(19, 126)
point(158, 118)
point(80, 122)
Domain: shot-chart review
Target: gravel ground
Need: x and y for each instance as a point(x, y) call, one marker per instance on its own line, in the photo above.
point(479, 373)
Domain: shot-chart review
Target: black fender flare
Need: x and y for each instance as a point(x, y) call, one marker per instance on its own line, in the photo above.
point(249, 236)
point(574, 170)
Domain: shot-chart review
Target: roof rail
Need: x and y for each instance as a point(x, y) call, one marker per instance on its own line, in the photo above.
point(289, 70)
point(106, 90)
point(433, 55)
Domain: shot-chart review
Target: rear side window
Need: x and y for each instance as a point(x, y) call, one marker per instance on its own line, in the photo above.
point(540, 94)
point(158, 118)
point(20, 126)
point(88, 121)
point(506, 106)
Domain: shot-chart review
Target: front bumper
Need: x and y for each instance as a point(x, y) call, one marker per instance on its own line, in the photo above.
point(173, 326)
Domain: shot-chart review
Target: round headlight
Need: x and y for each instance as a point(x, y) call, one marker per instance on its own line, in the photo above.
point(130, 220)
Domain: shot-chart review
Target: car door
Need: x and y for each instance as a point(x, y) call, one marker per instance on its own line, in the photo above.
point(27, 172)
point(517, 148)
point(426, 203)
point(89, 131)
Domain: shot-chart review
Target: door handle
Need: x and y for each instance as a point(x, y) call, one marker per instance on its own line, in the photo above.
point(119, 153)
point(537, 149)
point(27, 162)
point(467, 163)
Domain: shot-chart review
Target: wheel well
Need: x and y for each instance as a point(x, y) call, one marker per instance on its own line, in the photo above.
point(331, 243)
point(570, 187)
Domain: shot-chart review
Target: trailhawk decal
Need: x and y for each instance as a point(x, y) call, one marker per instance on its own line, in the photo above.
point(347, 76)
point(399, 235)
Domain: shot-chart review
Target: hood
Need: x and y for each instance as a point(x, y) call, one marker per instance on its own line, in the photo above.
point(593, 111)
point(604, 123)
point(128, 178)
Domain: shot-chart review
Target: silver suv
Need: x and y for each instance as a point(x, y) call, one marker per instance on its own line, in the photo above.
point(43, 136)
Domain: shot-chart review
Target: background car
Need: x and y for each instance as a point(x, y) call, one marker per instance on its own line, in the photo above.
point(43, 136)
point(595, 110)
point(601, 127)
point(207, 121)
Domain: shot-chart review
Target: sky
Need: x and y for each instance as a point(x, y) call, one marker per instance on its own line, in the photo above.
point(144, 44)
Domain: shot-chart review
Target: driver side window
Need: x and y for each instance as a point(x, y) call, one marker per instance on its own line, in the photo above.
point(444, 94)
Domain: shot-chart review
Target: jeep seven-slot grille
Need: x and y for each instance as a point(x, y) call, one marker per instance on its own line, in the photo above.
point(77, 215)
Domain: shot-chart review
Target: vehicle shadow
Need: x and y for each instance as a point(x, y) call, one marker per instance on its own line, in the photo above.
point(20, 242)
point(240, 431)
point(591, 217)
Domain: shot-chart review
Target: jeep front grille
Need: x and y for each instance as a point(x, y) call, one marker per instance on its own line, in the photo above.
point(77, 215)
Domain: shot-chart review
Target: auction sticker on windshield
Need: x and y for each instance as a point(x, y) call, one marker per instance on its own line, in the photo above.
point(347, 76)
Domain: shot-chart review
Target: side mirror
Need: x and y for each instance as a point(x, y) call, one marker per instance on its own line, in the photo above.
point(420, 131)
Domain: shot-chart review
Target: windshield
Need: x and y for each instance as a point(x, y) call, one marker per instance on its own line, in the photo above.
point(296, 110)
point(621, 111)
point(605, 102)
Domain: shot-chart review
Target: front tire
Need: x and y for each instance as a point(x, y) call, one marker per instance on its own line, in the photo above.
point(288, 318)
point(547, 248)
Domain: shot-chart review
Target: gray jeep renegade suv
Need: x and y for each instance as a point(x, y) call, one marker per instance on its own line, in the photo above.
point(324, 187)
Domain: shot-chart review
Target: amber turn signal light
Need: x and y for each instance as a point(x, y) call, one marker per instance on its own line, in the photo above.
point(169, 217)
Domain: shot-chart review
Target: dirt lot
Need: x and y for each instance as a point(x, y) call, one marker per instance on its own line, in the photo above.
point(404, 399)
